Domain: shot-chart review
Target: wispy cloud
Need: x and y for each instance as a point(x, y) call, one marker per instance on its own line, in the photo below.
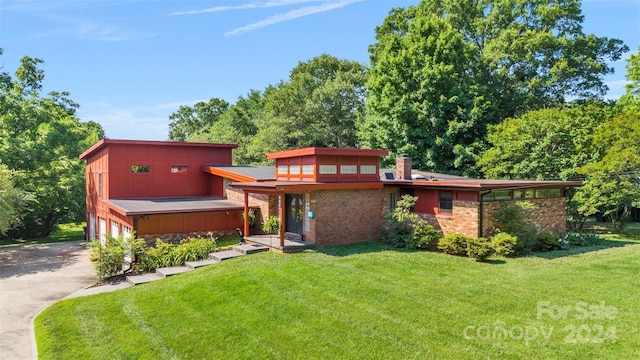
point(139, 122)
point(255, 5)
point(92, 30)
point(293, 14)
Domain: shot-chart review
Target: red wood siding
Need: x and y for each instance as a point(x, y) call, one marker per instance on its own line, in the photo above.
point(337, 160)
point(192, 222)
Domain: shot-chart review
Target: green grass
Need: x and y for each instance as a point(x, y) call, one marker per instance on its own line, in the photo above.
point(65, 232)
point(224, 242)
point(359, 302)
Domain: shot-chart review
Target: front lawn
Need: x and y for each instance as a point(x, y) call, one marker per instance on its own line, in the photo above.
point(364, 301)
point(64, 232)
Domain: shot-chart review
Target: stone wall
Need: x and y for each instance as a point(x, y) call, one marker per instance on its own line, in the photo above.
point(463, 219)
point(547, 215)
point(346, 216)
point(267, 204)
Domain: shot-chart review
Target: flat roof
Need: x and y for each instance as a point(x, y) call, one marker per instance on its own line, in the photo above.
point(481, 184)
point(275, 186)
point(242, 173)
point(326, 151)
point(104, 142)
point(149, 206)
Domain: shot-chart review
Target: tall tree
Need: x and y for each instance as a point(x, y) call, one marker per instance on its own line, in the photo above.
point(190, 121)
point(318, 106)
point(40, 140)
point(444, 70)
point(13, 201)
point(631, 98)
point(545, 144)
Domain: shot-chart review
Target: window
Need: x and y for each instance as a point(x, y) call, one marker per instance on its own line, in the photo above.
point(529, 193)
point(518, 194)
point(294, 169)
point(393, 202)
point(307, 169)
point(283, 169)
point(328, 169)
point(548, 193)
point(179, 169)
point(114, 229)
point(348, 169)
point(100, 185)
point(497, 195)
point(139, 168)
point(446, 201)
point(367, 169)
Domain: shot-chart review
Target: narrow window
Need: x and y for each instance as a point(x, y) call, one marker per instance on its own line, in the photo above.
point(100, 185)
point(178, 169)
point(294, 169)
point(348, 169)
point(307, 169)
point(283, 169)
point(446, 201)
point(367, 169)
point(328, 169)
point(139, 168)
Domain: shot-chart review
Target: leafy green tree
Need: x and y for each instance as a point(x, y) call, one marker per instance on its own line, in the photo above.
point(190, 121)
point(631, 98)
point(442, 71)
point(613, 183)
point(13, 201)
point(544, 144)
point(318, 106)
point(40, 140)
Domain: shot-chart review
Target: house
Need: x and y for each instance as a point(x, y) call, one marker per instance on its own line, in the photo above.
point(157, 189)
point(322, 196)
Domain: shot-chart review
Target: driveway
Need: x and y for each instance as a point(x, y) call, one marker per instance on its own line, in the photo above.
point(32, 278)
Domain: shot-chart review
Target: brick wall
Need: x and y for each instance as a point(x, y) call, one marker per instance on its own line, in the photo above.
point(463, 219)
point(346, 216)
point(268, 204)
point(547, 214)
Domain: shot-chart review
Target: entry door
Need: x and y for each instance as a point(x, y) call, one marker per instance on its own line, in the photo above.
point(294, 212)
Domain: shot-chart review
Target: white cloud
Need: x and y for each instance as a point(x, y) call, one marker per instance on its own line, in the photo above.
point(139, 123)
point(293, 14)
point(255, 5)
point(91, 30)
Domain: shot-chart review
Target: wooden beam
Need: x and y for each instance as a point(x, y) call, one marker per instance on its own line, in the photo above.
point(246, 215)
point(282, 221)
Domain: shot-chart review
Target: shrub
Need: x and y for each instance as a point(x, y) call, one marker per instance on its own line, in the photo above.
point(581, 239)
point(272, 225)
point(453, 244)
point(165, 254)
point(107, 259)
point(479, 249)
point(403, 228)
point(510, 219)
point(548, 241)
point(504, 244)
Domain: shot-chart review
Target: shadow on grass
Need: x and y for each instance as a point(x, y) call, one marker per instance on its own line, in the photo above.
point(576, 250)
point(359, 248)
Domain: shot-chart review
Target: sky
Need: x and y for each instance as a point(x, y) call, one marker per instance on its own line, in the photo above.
point(130, 64)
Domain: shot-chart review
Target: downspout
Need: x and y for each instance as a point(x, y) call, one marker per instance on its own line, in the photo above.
point(481, 216)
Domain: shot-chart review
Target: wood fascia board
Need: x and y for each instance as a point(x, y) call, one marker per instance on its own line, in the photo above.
point(227, 174)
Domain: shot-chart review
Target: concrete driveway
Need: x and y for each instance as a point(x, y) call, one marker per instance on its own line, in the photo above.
point(32, 278)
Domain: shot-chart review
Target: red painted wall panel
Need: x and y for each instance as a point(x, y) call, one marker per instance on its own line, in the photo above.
point(427, 201)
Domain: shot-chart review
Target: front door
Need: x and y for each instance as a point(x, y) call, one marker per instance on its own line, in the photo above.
point(294, 211)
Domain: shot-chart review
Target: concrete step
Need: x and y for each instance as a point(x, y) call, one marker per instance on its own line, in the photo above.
point(143, 278)
point(169, 271)
point(200, 263)
point(250, 248)
point(225, 255)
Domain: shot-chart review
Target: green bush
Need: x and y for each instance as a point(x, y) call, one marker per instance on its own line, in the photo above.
point(272, 225)
point(107, 259)
point(405, 229)
point(548, 241)
point(581, 239)
point(453, 244)
point(511, 219)
point(166, 255)
point(479, 249)
point(504, 244)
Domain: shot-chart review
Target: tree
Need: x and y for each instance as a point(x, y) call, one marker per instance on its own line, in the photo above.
point(442, 71)
point(13, 201)
point(544, 144)
point(317, 107)
point(190, 121)
point(613, 183)
point(631, 98)
point(40, 141)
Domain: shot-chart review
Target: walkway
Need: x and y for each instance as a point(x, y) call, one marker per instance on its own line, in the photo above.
point(32, 278)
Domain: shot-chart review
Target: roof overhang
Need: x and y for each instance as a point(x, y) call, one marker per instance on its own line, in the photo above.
point(326, 151)
point(155, 206)
point(289, 187)
point(104, 142)
point(482, 185)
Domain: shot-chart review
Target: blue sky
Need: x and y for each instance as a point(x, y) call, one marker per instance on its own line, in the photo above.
point(131, 63)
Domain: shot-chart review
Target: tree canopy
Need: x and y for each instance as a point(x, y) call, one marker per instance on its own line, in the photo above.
point(190, 121)
point(442, 71)
point(40, 141)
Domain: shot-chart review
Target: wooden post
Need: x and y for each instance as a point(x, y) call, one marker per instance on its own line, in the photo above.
point(246, 214)
point(281, 215)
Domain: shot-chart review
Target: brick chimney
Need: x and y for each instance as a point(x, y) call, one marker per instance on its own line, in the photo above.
point(403, 167)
